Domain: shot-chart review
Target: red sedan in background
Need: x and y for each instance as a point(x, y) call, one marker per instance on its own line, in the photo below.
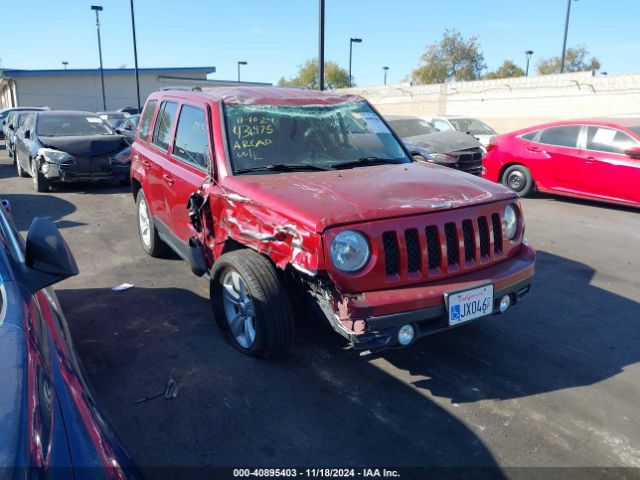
point(595, 158)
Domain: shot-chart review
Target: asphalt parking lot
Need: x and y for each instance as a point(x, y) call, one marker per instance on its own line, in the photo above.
point(554, 382)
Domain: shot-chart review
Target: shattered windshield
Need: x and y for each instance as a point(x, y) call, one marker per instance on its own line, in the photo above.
point(71, 125)
point(312, 137)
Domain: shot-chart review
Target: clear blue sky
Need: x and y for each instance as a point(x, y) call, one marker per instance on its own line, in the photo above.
point(276, 36)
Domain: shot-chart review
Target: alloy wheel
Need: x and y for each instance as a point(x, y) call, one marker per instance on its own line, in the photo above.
point(239, 309)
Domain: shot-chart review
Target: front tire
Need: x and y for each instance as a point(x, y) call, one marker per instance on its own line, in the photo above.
point(19, 169)
point(518, 178)
point(40, 183)
point(250, 304)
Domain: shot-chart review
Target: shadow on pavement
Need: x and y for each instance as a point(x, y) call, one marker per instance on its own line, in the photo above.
point(574, 333)
point(25, 207)
point(312, 406)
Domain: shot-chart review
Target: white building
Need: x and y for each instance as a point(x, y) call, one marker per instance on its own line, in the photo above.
point(81, 89)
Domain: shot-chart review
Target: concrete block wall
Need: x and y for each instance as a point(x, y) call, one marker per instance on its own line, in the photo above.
point(510, 104)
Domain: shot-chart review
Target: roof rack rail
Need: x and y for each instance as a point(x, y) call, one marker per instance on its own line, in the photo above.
point(183, 89)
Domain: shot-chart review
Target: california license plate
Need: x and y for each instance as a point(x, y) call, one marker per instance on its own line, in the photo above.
point(469, 304)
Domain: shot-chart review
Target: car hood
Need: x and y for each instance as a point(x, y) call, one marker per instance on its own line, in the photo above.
point(443, 142)
point(322, 199)
point(86, 146)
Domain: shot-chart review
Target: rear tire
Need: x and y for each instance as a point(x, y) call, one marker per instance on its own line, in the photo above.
point(518, 178)
point(151, 242)
point(250, 304)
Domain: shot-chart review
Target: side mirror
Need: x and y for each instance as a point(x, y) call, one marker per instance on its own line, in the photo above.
point(118, 131)
point(48, 257)
point(27, 134)
point(633, 152)
point(11, 127)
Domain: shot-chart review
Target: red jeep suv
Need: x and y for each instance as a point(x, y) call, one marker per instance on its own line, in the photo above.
point(276, 193)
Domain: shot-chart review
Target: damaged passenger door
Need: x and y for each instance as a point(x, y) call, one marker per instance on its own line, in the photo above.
point(188, 166)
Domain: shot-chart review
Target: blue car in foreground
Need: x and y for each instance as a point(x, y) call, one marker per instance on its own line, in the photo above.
point(50, 426)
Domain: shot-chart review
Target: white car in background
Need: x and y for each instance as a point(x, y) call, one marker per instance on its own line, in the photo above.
point(472, 126)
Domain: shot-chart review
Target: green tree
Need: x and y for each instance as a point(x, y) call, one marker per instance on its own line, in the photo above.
point(508, 69)
point(334, 76)
point(451, 58)
point(576, 60)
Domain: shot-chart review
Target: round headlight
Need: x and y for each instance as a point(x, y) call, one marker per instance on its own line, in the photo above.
point(510, 222)
point(350, 251)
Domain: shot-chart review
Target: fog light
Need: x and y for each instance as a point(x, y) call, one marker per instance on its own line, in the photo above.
point(406, 334)
point(45, 168)
point(505, 303)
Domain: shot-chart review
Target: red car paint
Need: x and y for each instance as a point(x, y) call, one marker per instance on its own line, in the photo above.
point(292, 217)
point(576, 171)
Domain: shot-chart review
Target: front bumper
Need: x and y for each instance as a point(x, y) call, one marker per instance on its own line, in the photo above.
point(69, 173)
point(371, 320)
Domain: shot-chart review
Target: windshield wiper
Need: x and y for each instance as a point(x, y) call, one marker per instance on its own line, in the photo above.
point(282, 167)
point(364, 161)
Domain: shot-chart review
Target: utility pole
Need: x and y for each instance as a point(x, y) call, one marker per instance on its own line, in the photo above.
point(566, 31)
point(240, 63)
point(385, 70)
point(98, 9)
point(351, 42)
point(321, 47)
point(528, 53)
point(135, 56)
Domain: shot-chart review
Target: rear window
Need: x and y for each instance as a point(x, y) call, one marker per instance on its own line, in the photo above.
point(192, 142)
point(164, 120)
point(561, 136)
point(635, 129)
point(147, 116)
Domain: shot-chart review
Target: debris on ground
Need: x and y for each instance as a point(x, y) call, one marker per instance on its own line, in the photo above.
point(122, 286)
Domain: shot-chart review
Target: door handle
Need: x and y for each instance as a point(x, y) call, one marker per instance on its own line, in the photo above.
point(590, 159)
point(533, 149)
point(168, 178)
point(146, 164)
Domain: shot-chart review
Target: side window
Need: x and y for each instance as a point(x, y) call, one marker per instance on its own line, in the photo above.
point(561, 136)
point(441, 125)
point(164, 120)
point(530, 136)
point(609, 140)
point(145, 121)
point(192, 141)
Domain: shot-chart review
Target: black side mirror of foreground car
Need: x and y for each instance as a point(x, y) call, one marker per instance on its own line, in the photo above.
point(48, 257)
point(27, 134)
point(633, 152)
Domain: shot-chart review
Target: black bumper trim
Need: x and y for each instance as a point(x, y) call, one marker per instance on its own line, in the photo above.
point(382, 329)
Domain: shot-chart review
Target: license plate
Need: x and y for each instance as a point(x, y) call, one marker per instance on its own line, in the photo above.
point(469, 304)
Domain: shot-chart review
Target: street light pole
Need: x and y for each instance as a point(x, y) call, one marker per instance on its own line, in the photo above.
point(135, 55)
point(65, 64)
point(566, 31)
point(351, 42)
point(97, 9)
point(385, 70)
point(528, 53)
point(321, 47)
point(240, 63)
